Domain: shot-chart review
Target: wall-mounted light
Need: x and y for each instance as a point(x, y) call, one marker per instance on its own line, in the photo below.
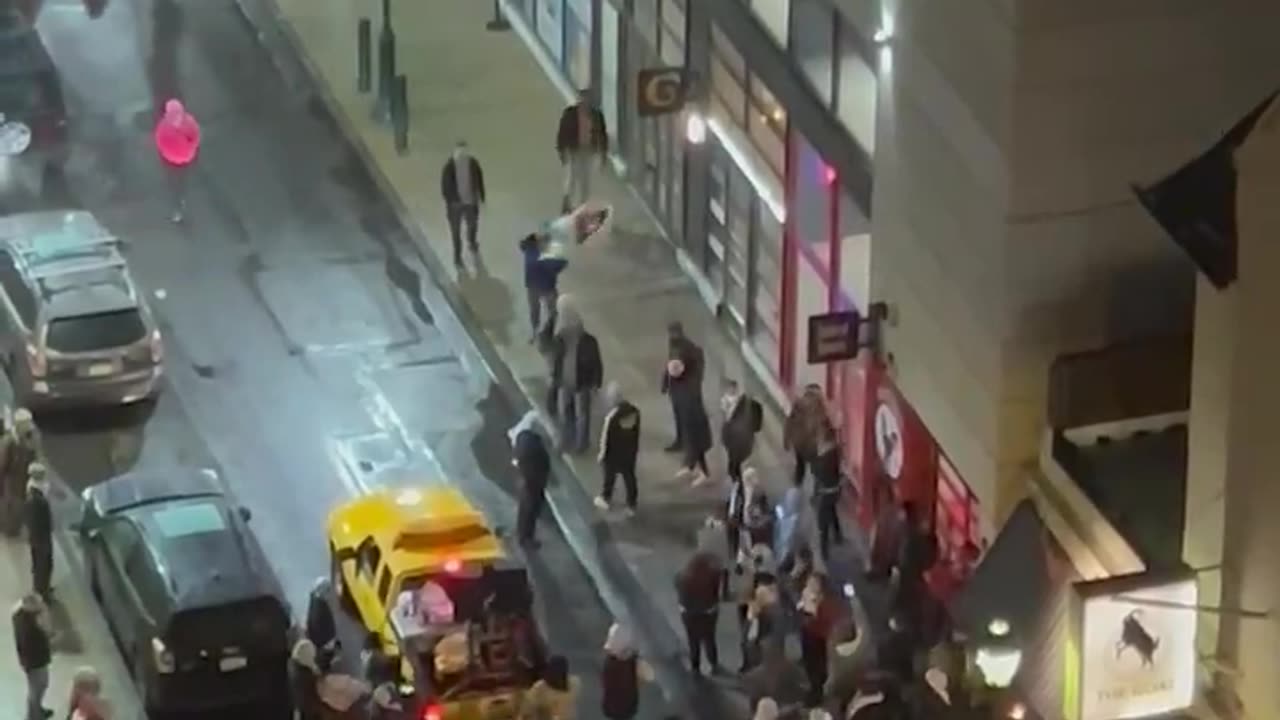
point(882, 36)
point(695, 128)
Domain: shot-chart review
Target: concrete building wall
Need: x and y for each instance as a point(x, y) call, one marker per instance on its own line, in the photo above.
point(1004, 229)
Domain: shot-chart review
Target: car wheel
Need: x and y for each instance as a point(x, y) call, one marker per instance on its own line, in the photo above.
point(340, 588)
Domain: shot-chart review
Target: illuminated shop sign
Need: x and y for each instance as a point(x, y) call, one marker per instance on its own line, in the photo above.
point(1137, 648)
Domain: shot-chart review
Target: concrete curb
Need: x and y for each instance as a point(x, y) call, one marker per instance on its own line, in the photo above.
point(587, 534)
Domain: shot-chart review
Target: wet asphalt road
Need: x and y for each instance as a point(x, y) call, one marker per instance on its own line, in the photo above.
point(303, 357)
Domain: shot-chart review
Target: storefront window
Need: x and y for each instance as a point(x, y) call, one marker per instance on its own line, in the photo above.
point(644, 14)
point(724, 51)
point(773, 15)
point(766, 120)
point(855, 254)
point(764, 328)
point(729, 94)
point(856, 93)
point(813, 24)
point(577, 40)
point(673, 20)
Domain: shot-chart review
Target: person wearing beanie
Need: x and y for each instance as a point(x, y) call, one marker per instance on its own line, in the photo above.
point(39, 519)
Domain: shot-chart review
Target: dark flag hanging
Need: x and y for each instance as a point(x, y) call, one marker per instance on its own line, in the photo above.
point(1196, 205)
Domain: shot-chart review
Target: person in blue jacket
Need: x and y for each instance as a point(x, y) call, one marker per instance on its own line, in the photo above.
point(542, 268)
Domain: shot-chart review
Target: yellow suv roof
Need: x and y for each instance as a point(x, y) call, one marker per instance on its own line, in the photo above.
point(416, 528)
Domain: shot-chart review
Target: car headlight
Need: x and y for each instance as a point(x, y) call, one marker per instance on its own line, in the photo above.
point(162, 657)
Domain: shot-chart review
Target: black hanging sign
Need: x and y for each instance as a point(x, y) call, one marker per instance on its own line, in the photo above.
point(833, 337)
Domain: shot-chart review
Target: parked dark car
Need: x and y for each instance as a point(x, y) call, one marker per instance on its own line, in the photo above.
point(199, 615)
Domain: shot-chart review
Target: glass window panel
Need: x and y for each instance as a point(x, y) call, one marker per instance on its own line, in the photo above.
point(856, 97)
point(773, 15)
point(644, 15)
point(730, 93)
point(767, 140)
point(673, 19)
point(813, 44)
point(718, 188)
point(728, 54)
point(672, 50)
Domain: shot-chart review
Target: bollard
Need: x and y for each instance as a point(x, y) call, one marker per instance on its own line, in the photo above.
point(386, 65)
point(364, 55)
point(499, 21)
point(400, 114)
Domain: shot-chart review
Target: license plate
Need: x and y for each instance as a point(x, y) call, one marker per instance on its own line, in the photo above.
point(232, 663)
point(101, 369)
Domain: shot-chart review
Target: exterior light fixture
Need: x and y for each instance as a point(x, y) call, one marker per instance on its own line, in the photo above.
point(999, 627)
point(882, 36)
point(695, 128)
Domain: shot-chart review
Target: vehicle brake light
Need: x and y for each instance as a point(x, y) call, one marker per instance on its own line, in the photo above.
point(453, 566)
point(157, 347)
point(432, 711)
point(36, 361)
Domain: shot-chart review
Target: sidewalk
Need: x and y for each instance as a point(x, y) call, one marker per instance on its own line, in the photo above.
point(467, 83)
point(81, 634)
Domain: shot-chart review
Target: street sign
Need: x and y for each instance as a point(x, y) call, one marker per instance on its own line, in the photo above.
point(661, 91)
point(833, 337)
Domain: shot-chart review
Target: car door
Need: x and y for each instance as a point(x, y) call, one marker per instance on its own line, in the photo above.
point(118, 544)
point(363, 592)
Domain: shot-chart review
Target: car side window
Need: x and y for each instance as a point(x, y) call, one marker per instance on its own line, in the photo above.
point(384, 584)
point(122, 540)
point(142, 574)
point(19, 294)
point(367, 558)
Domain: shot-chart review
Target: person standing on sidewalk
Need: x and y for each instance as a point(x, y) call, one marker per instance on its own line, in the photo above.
point(577, 372)
point(177, 139)
point(39, 517)
point(805, 424)
point(582, 142)
point(698, 590)
point(621, 675)
point(20, 448)
point(686, 387)
point(534, 464)
point(743, 419)
point(541, 284)
point(462, 187)
point(619, 447)
point(827, 484)
point(31, 639)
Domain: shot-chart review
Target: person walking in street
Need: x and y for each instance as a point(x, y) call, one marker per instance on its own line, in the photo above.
point(621, 675)
point(818, 616)
point(39, 518)
point(743, 419)
point(827, 485)
point(683, 388)
point(534, 465)
point(462, 188)
point(541, 285)
point(31, 639)
point(805, 424)
point(19, 448)
point(619, 448)
point(554, 696)
point(177, 139)
point(582, 142)
point(698, 590)
point(577, 372)
point(86, 702)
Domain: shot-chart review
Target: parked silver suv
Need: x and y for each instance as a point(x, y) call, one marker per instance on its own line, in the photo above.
point(75, 330)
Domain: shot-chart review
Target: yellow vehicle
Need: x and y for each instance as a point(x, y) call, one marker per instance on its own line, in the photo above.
point(420, 568)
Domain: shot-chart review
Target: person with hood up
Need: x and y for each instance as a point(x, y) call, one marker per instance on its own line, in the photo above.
point(682, 380)
point(321, 629)
point(621, 675)
point(462, 188)
point(827, 485)
point(39, 518)
point(31, 638)
point(743, 419)
point(619, 447)
point(86, 702)
point(19, 448)
point(577, 372)
point(177, 139)
point(542, 268)
point(775, 677)
point(806, 422)
point(534, 465)
point(554, 696)
point(304, 681)
point(698, 588)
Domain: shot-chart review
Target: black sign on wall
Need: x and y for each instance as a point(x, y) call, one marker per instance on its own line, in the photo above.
point(661, 91)
point(833, 336)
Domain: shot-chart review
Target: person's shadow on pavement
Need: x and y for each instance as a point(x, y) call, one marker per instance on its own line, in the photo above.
point(490, 299)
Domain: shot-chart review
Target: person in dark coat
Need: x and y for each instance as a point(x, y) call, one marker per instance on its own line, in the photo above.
point(805, 424)
point(917, 553)
point(692, 416)
point(19, 448)
point(534, 464)
point(462, 189)
point(541, 284)
point(39, 519)
point(698, 586)
point(743, 419)
point(621, 675)
point(35, 652)
point(321, 629)
point(827, 485)
point(682, 388)
point(582, 142)
point(577, 372)
point(619, 447)
point(818, 617)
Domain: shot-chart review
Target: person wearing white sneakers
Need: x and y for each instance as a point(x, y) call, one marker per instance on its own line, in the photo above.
point(693, 425)
point(619, 446)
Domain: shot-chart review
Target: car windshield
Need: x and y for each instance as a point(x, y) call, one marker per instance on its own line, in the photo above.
point(99, 331)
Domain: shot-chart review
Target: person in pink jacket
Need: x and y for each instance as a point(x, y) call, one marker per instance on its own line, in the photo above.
point(177, 138)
